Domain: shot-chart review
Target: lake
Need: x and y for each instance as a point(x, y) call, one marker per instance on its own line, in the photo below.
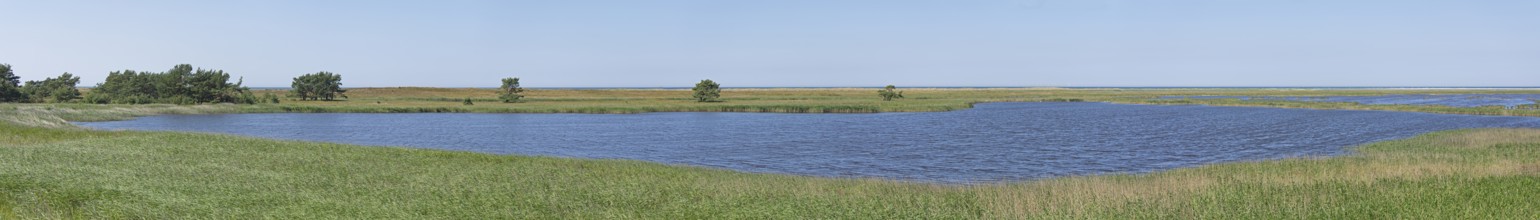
point(991, 142)
point(1456, 100)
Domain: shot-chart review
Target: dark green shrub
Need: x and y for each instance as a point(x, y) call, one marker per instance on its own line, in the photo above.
point(889, 93)
point(270, 98)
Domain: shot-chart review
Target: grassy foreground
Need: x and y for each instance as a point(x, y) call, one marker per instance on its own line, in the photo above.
point(64, 172)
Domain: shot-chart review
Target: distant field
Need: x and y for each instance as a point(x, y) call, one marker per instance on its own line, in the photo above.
point(790, 100)
point(835, 100)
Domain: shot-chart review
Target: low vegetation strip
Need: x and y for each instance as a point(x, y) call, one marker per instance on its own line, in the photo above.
point(817, 100)
point(65, 172)
point(184, 84)
point(841, 100)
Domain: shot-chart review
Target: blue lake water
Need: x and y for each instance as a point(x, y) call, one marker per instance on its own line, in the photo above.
point(1463, 100)
point(992, 142)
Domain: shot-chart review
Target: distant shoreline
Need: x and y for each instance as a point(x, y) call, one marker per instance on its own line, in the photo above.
point(978, 87)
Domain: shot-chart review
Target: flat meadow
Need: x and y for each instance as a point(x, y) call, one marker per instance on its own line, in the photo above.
point(837, 100)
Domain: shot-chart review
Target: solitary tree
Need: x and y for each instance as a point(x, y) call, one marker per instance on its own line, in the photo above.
point(10, 85)
point(318, 86)
point(889, 93)
point(707, 91)
point(510, 92)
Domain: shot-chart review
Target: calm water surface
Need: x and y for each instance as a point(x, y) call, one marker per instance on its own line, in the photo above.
point(1462, 100)
point(993, 142)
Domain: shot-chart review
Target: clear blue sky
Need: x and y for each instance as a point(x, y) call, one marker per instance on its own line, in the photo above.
point(579, 43)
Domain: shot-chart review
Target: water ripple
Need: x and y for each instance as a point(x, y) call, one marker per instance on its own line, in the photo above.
point(993, 142)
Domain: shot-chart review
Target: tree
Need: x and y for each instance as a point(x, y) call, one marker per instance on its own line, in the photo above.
point(58, 89)
point(125, 87)
point(889, 93)
point(510, 92)
point(467, 102)
point(172, 84)
point(318, 86)
point(213, 86)
point(707, 91)
point(10, 85)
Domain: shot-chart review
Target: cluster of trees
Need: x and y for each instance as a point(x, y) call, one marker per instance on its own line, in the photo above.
point(57, 89)
point(710, 91)
point(318, 86)
point(181, 84)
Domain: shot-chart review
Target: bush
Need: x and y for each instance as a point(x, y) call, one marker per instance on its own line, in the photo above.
point(270, 98)
point(889, 93)
point(96, 98)
point(181, 100)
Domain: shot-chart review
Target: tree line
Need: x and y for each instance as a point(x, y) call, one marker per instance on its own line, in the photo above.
point(183, 84)
point(709, 91)
point(56, 89)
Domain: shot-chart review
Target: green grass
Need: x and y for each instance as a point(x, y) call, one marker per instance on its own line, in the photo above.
point(50, 171)
point(92, 174)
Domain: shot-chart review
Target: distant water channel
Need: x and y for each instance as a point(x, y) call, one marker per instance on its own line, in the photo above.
point(992, 142)
point(1457, 100)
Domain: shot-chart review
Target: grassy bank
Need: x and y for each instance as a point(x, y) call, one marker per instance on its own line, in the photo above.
point(820, 100)
point(68, 172)
point(832, 100)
